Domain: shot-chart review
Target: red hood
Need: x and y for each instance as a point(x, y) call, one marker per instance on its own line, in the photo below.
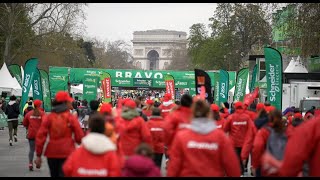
point(137, 164)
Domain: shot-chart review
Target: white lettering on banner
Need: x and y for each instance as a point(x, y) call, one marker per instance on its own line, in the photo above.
point(240, 123)
point(90, 172)
point(36, 87)
point(274, 77)
point(44, 88)
point(156, 129)
point(239, 90)
point(217, 94)
point(222, 90)
point(202, 145)
point(148, 75)
point(89, 86)
point(128, 74)
point(118, 74)
point(108, 93)
point(25, 84)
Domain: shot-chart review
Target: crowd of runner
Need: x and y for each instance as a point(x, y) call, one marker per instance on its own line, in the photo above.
point(196, 138)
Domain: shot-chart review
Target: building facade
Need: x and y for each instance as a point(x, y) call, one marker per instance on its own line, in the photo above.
point(152, 49)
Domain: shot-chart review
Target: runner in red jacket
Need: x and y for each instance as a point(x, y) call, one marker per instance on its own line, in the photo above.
point(156, 127)
point(202, 150)
point(303, 146)
point(217, 116)
point(260, 141)
point(237, 125)
point(148, 109)
point(132, 129)
point(96, 157)
point(61, 126)
point(251, 114)
point(32, 121)
point(167, 105)
point(178, 119)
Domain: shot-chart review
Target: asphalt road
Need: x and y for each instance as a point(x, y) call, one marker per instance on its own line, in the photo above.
point(14, 159)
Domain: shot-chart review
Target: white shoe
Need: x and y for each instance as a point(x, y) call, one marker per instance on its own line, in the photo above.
point(10, 142)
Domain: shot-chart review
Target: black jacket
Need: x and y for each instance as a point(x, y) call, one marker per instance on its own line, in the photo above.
point(12, 111)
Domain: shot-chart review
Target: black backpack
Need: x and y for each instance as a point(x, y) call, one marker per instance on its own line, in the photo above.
point(276, 143)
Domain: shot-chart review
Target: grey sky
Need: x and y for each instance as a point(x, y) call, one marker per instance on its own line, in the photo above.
point(115, 21)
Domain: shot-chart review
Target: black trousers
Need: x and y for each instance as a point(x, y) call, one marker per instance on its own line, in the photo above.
point(238, 151)
point(158, 159)
point(55, 166)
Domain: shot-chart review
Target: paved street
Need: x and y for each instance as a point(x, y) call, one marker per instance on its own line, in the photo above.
point(14, 159)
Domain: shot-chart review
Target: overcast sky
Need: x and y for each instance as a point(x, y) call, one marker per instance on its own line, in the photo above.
point(114, 21)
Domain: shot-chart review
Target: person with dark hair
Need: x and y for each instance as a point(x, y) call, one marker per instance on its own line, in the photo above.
point(12, 111)
point(177, 120)
point(29, 108)
point(224, 111)
point(32, 121)
point(27, 104)
point(141, 164)
point(147, 110)
point(64, 132)
point(260, 142)
point(237, 125)
point(97, 149)
point(156, 126)
point(83, 115)
point(192, 148)
point(4, 104)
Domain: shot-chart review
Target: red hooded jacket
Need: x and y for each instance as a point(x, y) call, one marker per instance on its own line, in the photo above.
point(166, 108)
point(303, 145)
point(190, 151)
point(93, 159)
point(140, 166)
point(248, 142)
point(60, 127)
point(132, 133)
point(32, 123)
point(251, 114)
point(156, 127)
point(238, 125)
point(177, 120)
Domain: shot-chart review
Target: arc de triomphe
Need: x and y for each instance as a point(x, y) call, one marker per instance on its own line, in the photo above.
point(152, 49)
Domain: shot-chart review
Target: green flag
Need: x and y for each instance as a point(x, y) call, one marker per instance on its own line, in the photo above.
point(36, 85)
point(15, 71)
point(253, 78)
point(90, 86)
point(241, 84)
point(105, 79)
point(30, 68)
point(45, 90)
point(223, 86)
point(216, 88)
point(273, 60)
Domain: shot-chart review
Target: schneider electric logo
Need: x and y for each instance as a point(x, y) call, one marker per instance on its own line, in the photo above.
point(122, 81)
point(274, 81)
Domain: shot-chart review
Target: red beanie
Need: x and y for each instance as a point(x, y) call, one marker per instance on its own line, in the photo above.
point(259, 106)
point(297, 115)
point(130, 103)
point(214, 107)
point(269, 108)
point(238, 105)
point(167, 97)
point(37, 103)
point(105, 108)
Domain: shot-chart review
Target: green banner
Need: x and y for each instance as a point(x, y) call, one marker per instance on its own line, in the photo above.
point(36, 86)
point(58, 78)
point(241, 84)
point(273, 60)
point(3, 120)
point(15, 71)
point(121, 82)
point(223, 86)
point(45, 90)
point(30, 68)
point(232, 79)
point(142, 82)
point(253, 78)
point(216, 89)
point(90, 87)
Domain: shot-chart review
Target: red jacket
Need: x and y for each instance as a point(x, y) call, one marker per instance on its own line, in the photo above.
point(166, 108)
point(248, 142)
point(156, 127)
point(177, 120)
point(251, 114)
point(32, 123)
point(225, 113)
point(303, 146)
point(259, 146)
point(140, 166)
point(148, 113)
point(92, 159)
point(132, 133)
point(237, 125)
point(61, 144)
point(195, 154)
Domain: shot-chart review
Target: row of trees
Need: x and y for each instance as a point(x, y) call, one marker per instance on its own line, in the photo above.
point(237, 30)
point(54, 32)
